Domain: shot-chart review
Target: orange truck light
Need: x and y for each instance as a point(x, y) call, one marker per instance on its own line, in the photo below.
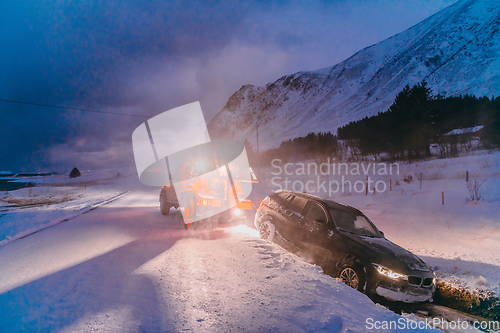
point(245, 205)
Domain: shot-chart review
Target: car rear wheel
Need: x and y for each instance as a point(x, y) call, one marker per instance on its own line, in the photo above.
point(353, 276)
point(267, 231)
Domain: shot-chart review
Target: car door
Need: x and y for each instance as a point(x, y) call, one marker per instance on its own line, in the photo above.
point(296, 219)
point(319, 233)
point(281, 217)
point(342, 243)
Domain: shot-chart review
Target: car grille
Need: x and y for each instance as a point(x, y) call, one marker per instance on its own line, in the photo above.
point(414, 280)
point(427, 282)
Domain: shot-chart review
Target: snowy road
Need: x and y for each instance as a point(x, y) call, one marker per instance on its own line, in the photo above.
point(125, 267)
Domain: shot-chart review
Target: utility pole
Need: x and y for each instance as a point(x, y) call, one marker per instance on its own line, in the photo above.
point(258, 151)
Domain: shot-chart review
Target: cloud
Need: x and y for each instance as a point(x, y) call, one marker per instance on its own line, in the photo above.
point(147, 57)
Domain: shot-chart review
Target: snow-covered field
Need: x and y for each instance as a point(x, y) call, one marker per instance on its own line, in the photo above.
point(54, 199)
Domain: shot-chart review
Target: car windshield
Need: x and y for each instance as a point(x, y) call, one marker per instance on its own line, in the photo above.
point(354, 223)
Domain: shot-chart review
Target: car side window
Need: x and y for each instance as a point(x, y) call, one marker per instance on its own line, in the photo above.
point(316, 213)
point(298, 204)
point(281, 199)
point(355, 223)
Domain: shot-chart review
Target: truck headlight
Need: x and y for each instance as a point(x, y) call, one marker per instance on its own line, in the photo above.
point(389, 273)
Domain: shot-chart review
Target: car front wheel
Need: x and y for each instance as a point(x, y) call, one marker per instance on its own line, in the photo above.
point(353, 276)
point(267, 231)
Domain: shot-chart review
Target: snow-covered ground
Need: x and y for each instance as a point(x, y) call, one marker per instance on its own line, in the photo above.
point(54, 199)
point(126, 268)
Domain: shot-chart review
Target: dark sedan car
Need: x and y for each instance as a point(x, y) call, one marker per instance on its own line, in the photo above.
point(346, 244)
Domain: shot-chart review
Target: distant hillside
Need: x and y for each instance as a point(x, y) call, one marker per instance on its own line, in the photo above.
point(456, 51)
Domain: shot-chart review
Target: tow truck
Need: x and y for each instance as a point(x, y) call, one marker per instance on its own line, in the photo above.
point(212, 197)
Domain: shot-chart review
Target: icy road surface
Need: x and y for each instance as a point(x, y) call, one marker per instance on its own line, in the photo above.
point(126, 268)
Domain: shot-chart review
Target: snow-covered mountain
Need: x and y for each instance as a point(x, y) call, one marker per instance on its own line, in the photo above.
point(457, 51)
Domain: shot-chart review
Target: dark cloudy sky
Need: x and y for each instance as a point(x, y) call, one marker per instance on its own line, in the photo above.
point(145, 57)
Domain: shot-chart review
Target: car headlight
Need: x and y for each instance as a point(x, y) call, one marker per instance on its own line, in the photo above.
point(389, 273)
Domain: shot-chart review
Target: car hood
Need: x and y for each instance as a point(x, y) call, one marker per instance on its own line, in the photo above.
point(386, 253)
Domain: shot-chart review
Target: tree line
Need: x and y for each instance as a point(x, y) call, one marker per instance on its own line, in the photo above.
point(315, 146)
point(416, 119)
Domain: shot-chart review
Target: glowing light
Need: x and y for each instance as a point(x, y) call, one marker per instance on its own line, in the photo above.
point(201, 165)
point(252, 173)
point(237, 212)
point(244, 230)
point(389, 273)
point(245, 205)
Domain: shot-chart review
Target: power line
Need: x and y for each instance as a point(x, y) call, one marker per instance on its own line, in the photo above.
point(76, 109)
point(273, 138)
point(94, 111)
